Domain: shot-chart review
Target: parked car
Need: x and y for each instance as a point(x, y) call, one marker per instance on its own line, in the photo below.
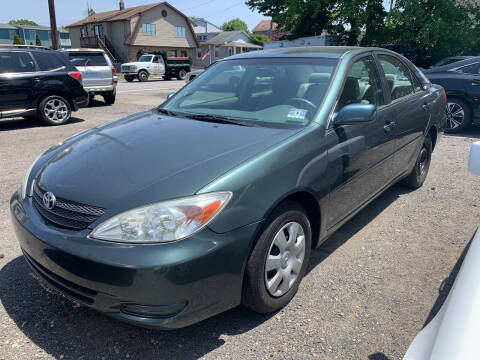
point(193, 74)
point(453, 332)
point(216, 197)
point(461, 81)
point(450, 60)
point(157, 63)
point(38, 82)
point(99, 74)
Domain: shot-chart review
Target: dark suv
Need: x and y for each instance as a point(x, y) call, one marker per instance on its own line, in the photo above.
point(39, 82)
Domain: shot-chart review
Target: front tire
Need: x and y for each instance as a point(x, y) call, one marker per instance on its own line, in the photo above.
point(143, 76)
point(182, 74)
point(279, 259)
point(459, 115)
point(129, 78)
point(54, 110)
point(422, 164)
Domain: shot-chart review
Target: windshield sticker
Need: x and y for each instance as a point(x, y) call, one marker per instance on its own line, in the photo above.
point(295, 113)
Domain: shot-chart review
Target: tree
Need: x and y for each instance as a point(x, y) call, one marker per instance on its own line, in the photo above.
point(17, 40)
point(235, 24)
point(31, 43)
point(38, 42)
point(22, 22)
point(259, 39)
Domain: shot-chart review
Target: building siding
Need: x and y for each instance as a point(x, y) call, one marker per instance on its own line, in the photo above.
point(165, 33)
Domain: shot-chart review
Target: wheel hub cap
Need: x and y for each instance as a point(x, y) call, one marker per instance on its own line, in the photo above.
point(285, 259)
point(455, 115)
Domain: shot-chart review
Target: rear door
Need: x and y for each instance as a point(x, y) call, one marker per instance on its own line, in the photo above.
point(18, 79)
point(410, 104)
point(472, 76)
point(360, 156)
point(94, 66)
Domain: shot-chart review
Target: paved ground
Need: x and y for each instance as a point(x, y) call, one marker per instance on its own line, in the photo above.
point(369, 289)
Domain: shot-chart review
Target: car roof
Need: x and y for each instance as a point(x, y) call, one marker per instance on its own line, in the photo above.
point(332, 52)
point(84, 50)
point(8, 47)
point(454, 65)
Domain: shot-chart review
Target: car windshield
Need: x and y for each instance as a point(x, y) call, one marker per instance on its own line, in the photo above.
point(145, 58)
point(283, 92)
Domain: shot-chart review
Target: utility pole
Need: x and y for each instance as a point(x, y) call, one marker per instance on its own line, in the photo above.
point(53, 24)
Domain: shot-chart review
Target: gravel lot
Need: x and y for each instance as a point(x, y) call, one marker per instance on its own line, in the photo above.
point(370, 288)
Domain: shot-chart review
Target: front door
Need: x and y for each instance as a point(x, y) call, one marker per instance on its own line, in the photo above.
point(410, 104)
point(360, 156)
point(17, 82)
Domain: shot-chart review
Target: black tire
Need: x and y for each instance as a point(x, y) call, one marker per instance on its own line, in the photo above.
point(419, 173)
point(129, 78)
point(109, 98)
point(255, 295)
point(455, 121)
point(182, 74)
point(142, 76)
point(167, 78)
point(52, 103)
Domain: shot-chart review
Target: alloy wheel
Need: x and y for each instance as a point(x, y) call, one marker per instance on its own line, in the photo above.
point(422, 162)
point(455, 115)
point(56, 110)
point(285, 259)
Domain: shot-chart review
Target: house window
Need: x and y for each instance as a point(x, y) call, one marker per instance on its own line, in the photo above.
point(149, 29)
point(173, 53)
point(183, 53)
point(199, 53)
point(216, 52)
point(11, 34)
point(179, 31)
point(83, 33)
point(230, 51)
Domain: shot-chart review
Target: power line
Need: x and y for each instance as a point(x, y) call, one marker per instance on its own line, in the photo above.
point(226, 9)
point(198, 5)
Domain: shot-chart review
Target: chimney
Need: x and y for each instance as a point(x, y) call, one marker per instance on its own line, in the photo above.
point(122, 5)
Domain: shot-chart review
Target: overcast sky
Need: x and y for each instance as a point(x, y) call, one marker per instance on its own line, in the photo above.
point(69, 11)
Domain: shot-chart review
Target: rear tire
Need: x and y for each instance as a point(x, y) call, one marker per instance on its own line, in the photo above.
point(459, 115)
point(422, 164)
point(54, 110)
point(129, 78)
point(274, 272)
point(182, 74)
point(143, 76)
point(109, 98)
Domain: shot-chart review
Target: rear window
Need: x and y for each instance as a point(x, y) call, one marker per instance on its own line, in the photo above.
point(16, 62)
point(87, 59)
point(49, 62)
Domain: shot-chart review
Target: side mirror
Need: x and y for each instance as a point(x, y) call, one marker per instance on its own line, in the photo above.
point(355, 114)
point(170, 95)
point(474, 161)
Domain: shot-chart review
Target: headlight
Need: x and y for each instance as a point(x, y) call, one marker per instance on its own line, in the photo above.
point(164, 221)
point(25, 180)
point(133, 67)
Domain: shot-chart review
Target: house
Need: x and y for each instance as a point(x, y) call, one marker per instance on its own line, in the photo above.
point(205, 30)
point(29, 33)
point(126, 32)
point(322, 40)
point(226, 43)
point(270, 29)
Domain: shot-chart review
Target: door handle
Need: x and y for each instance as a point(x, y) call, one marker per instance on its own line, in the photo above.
point(389, 126)
point(36, 80)
point(475, 82)
point(426, 107)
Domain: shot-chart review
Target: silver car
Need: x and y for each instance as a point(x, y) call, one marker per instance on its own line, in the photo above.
point(99, 75)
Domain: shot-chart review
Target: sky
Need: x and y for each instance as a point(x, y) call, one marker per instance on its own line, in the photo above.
point(70, 11)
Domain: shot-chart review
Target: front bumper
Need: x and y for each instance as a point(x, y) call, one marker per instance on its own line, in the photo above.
point(168, 286)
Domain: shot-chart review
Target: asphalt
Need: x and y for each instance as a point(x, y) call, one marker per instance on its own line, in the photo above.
point(369, 289)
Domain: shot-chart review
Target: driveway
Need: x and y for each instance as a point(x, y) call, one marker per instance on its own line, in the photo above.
point(369, 289)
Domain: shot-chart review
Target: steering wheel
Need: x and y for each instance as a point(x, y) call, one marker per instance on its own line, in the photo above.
point(300, 102)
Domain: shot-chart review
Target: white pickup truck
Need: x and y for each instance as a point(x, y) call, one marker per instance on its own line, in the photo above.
point(156, 64)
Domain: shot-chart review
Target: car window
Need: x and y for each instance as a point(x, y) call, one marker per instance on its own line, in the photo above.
point(470, 69)
point(362, 85)
point(283, 92)
point(145, 58)
point(16, 62)
point(49, 62)
point(398, 76)
point(87, 59)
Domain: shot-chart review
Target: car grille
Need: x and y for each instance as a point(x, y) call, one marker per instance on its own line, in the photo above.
point(66, 213)
point(125, 68)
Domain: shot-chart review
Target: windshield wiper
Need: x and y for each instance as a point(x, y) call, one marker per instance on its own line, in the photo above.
point(166, 112)
point(218, 119)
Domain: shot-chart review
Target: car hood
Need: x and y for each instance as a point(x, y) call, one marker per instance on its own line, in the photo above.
point(136, 63)
point(149, 157)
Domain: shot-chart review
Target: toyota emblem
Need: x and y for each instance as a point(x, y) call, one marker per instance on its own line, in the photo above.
point(49, 200)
